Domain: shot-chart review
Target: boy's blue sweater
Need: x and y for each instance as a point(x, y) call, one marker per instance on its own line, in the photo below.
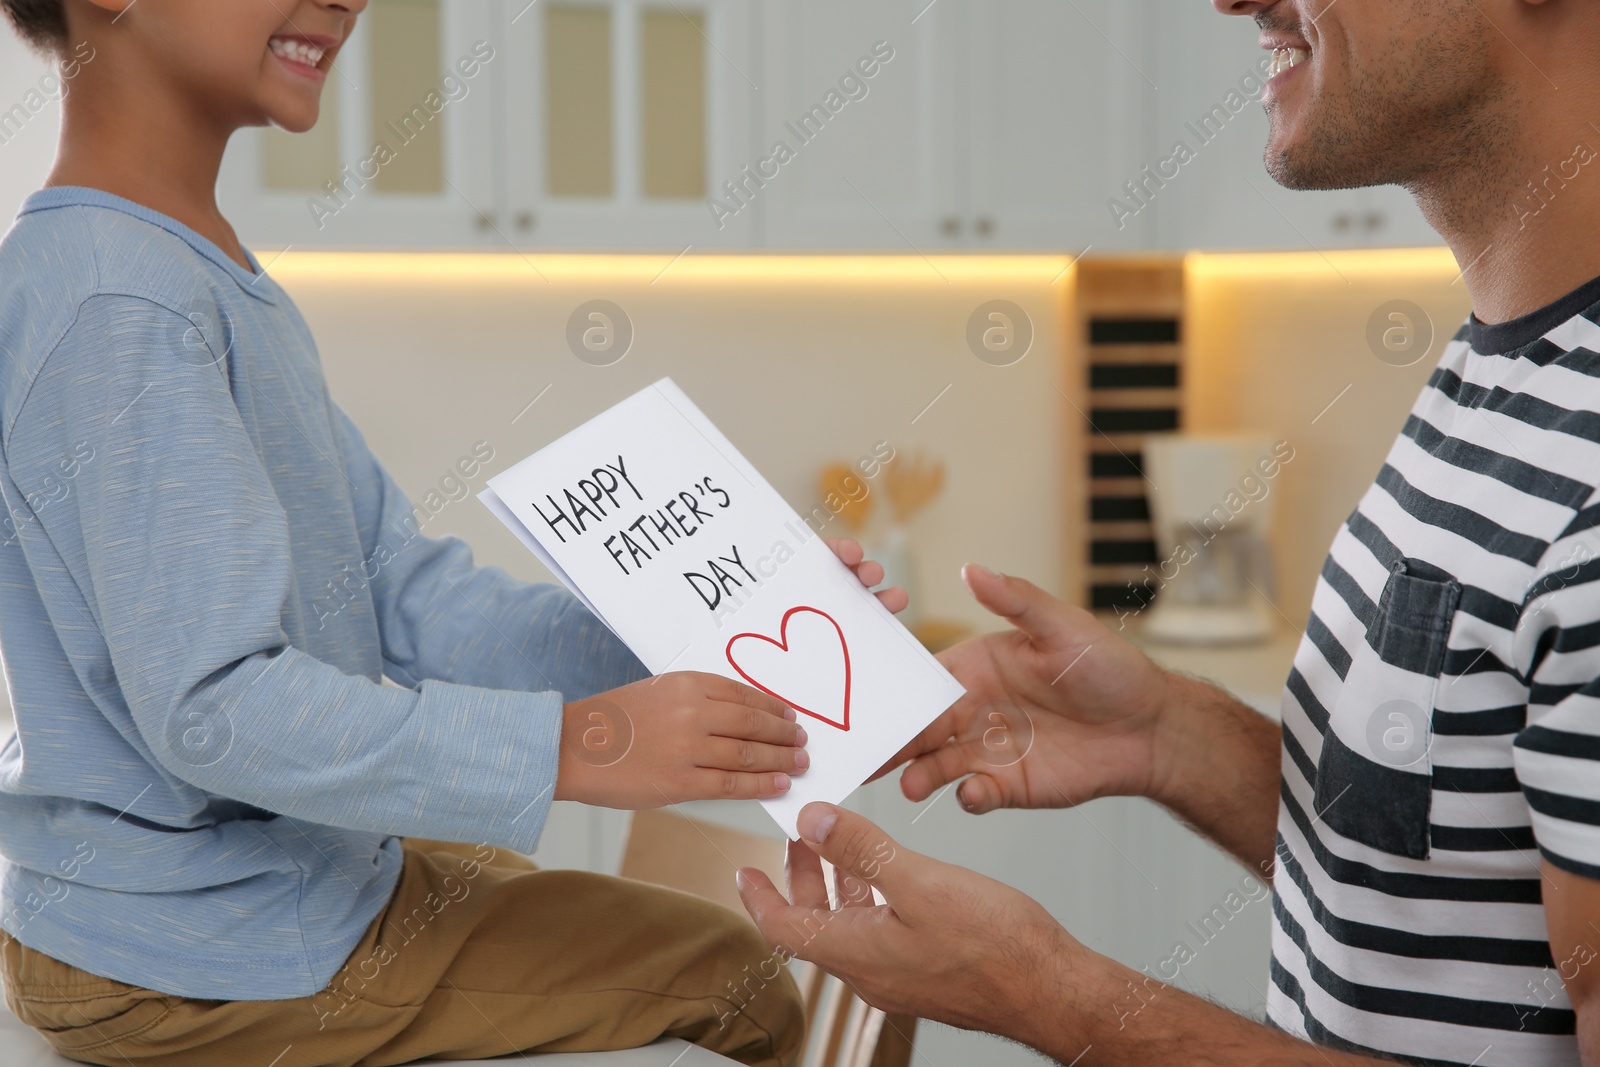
point(208, 778)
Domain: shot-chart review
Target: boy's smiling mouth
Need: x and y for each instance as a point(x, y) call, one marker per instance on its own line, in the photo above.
point(301, 54)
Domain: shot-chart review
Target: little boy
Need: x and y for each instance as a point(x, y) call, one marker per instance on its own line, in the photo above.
point(202, 813)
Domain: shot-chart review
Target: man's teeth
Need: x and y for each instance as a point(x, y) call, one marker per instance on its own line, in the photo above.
point(1284, 58)
point(299, 51)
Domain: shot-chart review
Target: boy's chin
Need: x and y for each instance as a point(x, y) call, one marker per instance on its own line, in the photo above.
point(293, 120)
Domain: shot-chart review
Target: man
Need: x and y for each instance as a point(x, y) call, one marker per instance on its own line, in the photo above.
point(1429, 812)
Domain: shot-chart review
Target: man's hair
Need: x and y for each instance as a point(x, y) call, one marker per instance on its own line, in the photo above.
point(41, 23)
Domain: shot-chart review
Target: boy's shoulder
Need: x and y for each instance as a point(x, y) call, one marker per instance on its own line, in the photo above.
point(70, 246)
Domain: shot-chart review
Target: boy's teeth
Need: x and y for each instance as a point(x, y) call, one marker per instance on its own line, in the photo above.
point(1284, 58)
point(299, 51)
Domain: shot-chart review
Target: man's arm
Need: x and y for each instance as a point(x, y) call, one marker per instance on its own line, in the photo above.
point(1062, 709)
point(1572, 914)
point(1120, 1017)
point(959, 948)
point(1557, 754)
point(1218, 768)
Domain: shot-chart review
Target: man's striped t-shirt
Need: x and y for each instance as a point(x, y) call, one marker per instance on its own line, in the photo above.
point(1442, 720)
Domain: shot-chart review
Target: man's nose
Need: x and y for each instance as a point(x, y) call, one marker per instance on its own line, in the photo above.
point(1241, 7)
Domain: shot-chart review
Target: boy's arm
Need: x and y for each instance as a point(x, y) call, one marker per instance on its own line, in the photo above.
point(172, 550)
point(440, 616)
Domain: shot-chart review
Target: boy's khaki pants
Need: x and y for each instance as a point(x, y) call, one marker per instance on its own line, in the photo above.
point(476, 955)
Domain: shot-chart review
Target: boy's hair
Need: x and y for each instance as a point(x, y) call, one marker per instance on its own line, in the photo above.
point(41, 23)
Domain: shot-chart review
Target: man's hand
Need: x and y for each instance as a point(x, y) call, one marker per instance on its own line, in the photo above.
point(949, 945)
point(1061, 710)
point(1058, 710)
point(959, 948)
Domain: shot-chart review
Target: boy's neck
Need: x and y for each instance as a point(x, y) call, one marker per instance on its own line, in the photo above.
point(162, 156)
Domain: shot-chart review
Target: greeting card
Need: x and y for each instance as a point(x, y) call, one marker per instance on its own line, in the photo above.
point(679, 545)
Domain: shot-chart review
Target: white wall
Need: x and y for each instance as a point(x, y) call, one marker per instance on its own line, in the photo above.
point(797, 369)
point(27, 145)
point(25, 152)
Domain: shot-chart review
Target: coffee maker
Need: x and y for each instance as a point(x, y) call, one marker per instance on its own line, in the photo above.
point(1211, 501)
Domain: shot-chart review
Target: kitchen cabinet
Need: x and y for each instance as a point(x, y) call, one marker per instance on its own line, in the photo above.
point(618, 119)
point(1000, 124)
point(698, 125)
point(508, 123)
point(1058, 97)
point(861, 94)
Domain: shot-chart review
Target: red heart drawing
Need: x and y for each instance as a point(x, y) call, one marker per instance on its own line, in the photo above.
point(782, 644)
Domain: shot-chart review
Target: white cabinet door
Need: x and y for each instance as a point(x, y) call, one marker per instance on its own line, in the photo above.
point(400, 155)
point(620, 118)
point(1214, 192)
point(861, 99)
point(1051, 107)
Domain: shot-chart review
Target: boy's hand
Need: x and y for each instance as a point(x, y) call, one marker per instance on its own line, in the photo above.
point(689, 736)
point(676, 737)
point(869, 571)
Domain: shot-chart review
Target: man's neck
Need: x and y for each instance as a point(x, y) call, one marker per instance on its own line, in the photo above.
point(1522, 225)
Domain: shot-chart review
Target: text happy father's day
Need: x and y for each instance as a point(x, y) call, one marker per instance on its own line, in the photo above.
point(607, 496)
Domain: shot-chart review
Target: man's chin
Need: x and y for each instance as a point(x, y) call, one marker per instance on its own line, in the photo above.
point(1287, 172)
point(1295, 167)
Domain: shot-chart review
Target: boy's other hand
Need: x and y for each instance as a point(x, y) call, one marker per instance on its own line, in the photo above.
point(869, 571)
point(676, 737)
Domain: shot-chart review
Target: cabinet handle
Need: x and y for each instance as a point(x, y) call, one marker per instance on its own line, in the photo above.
point(486, 222)
point(1342, 222)
point(1374, 220)
point(985, 226)
point(950, 226)
point(526, 220)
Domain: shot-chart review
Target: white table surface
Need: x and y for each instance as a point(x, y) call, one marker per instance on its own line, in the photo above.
point(22, 1047)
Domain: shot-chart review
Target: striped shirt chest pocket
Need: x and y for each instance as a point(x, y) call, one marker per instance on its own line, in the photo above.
point(1374, 775)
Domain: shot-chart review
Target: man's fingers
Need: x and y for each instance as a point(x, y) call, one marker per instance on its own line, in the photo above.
point(852, 891)
point(730, 754)
point(934, 770)
point(752, 724)
point(980, 794)
point(1018, 601)
point(936, 734)
point(855, 845)
point(789, 928)
point(761, 898)
point(807, 887)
